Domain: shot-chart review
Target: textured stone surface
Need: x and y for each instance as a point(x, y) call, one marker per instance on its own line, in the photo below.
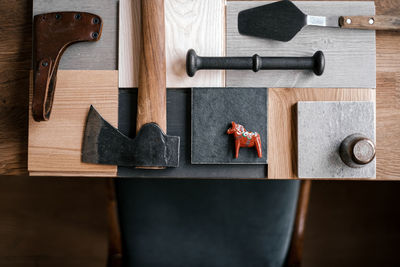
point(178, 124)
point(321, 127)
point(350, 54)
point(100, 55)
point(213, 110)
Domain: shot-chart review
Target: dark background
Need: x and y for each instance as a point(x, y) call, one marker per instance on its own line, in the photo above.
point(49, 221)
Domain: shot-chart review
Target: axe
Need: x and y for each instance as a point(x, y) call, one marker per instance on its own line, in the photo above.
point(151, 148)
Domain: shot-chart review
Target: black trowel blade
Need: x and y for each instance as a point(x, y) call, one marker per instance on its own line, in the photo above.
point(279, 21)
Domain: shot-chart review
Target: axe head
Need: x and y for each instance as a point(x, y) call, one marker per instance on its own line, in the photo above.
point(104, 144)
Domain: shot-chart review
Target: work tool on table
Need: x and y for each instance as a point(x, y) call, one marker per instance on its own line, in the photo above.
point(316, 63)
point(151, 148)
point(282, 20)
point(52, 34)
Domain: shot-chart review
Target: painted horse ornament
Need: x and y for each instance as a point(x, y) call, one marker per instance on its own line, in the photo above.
point(244, 138)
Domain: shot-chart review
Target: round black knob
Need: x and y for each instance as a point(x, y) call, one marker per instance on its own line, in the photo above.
point(191, 62)
point(319, 63)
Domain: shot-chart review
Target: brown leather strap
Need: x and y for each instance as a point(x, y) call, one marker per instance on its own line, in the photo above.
point(53, 33)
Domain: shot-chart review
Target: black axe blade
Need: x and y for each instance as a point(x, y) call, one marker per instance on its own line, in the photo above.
point(279, 21)
point(104, 144)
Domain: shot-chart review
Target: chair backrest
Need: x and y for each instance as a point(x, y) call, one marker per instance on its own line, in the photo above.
point(206, 222)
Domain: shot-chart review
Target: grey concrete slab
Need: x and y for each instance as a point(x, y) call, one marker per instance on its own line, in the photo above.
point(350, 54)
point(321, 127)
point(100, 55)
point(213, 110)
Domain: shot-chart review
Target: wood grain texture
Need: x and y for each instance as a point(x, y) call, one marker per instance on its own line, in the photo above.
point(388, 106)
point(152, 92)
point(54, 146)
point(296, 245)
point(100, 55)
point(379, 22)
point(129, 43)
point(349, 54)
point(282, 135)
point(197, 24)
point(15, 63)
point(114, 258)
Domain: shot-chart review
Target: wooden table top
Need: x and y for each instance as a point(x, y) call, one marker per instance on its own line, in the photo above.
point(15, 65)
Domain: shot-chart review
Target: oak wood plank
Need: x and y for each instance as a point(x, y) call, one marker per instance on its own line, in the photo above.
point(55, 145)
point(388, 96)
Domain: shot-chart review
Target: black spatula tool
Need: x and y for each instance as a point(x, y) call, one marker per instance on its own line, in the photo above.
point(282, 20)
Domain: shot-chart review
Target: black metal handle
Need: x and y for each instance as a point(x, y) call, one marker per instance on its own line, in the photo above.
point(255, 63)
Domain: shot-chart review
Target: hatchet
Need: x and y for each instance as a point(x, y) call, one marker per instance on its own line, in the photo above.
point(151, 148)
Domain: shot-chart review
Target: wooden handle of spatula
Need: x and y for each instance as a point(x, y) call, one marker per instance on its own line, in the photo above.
point(152, 105)
point(379, 22)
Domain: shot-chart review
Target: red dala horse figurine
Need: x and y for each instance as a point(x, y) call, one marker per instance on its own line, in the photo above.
point(244, 138)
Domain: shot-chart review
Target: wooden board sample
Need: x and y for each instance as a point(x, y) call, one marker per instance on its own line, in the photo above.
point(54, 146)
point(100, 55)
point(388, 105)
point(349, 54)
point(197, 24)
point(282, 141)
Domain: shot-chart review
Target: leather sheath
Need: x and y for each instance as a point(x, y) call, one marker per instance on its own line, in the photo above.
point(53, 33)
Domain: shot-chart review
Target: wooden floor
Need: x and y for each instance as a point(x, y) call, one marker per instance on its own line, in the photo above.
point(52, 222)
point(62, 222)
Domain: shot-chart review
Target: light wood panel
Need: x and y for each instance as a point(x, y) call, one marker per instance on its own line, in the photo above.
point(197, 24)
point(388, 105)
point(54, 146)
point(282, 136)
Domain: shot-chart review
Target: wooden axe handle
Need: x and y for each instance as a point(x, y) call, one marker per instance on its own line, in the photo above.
point(152, 105)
